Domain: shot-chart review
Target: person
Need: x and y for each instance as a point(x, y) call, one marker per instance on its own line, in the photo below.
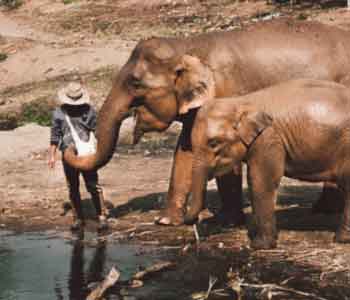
point(75, 110)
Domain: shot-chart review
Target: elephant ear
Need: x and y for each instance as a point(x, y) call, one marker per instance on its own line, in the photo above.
point(194, 85)
point(251, 125)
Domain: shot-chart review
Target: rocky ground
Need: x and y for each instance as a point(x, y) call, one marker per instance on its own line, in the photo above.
point(45, 43)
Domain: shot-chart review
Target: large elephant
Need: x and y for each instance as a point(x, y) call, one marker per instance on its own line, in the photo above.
point(161, 71)
point(299, 128)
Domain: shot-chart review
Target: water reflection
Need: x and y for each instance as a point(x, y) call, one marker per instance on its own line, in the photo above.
point(42, 266)
point(79, 277)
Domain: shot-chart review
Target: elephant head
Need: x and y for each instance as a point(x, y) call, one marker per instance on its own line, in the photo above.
point(221, 137)
point(150, 84)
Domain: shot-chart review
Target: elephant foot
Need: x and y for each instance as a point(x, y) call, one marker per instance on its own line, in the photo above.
point(170, 218)
point(342, 236)
point(226, 219)
point(263, 243)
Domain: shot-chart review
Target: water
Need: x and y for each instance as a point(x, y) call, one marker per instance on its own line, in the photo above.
point(37, 266)
point(46, 266)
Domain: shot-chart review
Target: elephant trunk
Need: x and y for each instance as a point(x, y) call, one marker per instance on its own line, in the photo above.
point(199, 183)
point(114, 110)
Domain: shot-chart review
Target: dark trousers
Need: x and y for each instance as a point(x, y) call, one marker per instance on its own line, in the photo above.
point(91, 183)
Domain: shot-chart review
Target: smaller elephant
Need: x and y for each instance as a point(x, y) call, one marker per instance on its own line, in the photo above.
point(299, 129)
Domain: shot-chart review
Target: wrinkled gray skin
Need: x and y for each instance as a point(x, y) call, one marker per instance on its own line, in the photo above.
point(164, 80)
point(299, 129)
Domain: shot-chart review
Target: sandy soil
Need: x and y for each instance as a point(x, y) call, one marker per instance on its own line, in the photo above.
point(47, 41)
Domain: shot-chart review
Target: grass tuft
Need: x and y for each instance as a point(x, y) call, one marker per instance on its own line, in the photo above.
point(38, 111)
point(11, 4)
point(67, 1)
point(3, 56)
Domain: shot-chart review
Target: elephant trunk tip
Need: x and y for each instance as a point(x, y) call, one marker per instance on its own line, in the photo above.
point(82, 163)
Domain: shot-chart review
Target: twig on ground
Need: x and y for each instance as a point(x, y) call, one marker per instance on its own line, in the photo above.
point(169, 247)
point(109, 281)
point(116, 235)
point(196, 234)
point(287, 280)
point(271, 251)
point(305, 254)
point(340, 270)
point(144, 233)
point(186, 248)
point(234, 283)
point(202, 295)
point(153, 269)
point(146, 224)
point(212, 281)
point(280, 288)
point(149, 242)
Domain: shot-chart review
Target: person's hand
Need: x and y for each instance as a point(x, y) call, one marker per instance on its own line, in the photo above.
point(52, 162)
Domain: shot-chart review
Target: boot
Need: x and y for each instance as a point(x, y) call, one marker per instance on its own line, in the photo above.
point(78, 219)
point(103, 225)
point(77, 225)
point(101, 211)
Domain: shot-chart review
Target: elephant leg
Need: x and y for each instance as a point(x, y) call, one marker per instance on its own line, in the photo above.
point(343, 233)
point(263, 194)
point(180, 181)
point(265, 170)
point(263, 198)
point(230, 190)
point(331, 200)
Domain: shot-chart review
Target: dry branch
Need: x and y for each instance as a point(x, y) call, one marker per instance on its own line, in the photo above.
point(196, 234)
point(307, 253)
point(153, 269)
point(283, 289)
point(109, 281)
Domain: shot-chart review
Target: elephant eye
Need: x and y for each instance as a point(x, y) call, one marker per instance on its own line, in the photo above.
point(213, 143)
point(138, 101)
point(180, 72)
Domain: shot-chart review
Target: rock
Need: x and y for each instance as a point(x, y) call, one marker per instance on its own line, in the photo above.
point(48, 70)
point(129, 298)
point(136, 284)
point(126, 133)
point(9, 116)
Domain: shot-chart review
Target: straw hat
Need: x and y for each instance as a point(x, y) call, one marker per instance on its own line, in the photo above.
point(73, 94)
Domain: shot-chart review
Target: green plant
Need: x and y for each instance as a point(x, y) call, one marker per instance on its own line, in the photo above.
point(38, 111)
point(3, 56)
point(101, 25)
point(11, 4)
point(67, 1)
point(302, 16)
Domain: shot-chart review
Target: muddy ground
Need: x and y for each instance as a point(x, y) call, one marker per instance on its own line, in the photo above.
point(45, 43)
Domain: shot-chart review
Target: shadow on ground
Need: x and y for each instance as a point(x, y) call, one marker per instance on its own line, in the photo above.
point(294, 208)
point(301, 5)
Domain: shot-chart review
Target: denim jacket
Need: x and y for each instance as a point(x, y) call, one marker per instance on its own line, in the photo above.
point(83, 118)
